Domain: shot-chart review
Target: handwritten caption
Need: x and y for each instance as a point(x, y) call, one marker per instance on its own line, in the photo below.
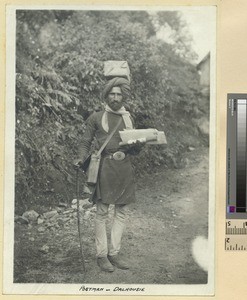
point(84, 288)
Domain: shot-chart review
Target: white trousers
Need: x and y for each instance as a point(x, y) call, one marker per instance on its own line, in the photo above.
point(117, 229)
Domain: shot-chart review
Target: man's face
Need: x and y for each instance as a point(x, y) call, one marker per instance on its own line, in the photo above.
point(115, 98)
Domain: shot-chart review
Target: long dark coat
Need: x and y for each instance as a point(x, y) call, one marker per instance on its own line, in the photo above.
point(115, 183)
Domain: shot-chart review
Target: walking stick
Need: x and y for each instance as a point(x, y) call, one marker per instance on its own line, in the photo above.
point(79, 220)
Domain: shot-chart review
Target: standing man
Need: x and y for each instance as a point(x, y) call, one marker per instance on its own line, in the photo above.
point(115, 184)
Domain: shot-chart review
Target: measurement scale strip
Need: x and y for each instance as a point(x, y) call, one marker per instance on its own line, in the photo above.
point(236, 235)
point(237, 231)
point(235, 243)
point(236, 175)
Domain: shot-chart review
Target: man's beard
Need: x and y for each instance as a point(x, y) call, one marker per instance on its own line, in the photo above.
point(115, 105)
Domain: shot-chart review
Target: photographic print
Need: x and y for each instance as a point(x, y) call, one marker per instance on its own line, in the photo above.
point(110, 122)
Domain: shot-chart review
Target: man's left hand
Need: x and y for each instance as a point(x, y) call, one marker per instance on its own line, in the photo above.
point(134, 148)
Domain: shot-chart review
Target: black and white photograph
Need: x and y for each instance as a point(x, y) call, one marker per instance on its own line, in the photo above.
point(110, 160)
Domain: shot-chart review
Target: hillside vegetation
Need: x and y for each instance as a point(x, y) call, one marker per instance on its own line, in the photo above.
point(59, 79)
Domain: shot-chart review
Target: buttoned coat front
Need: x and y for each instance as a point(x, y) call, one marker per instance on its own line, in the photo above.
point(115, 184)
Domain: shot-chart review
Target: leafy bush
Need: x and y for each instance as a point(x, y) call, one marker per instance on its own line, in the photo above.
point(59, 80)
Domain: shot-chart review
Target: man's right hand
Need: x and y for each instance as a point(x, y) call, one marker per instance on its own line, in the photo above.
point(77, 163)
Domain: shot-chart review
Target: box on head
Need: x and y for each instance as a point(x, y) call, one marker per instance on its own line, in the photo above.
point(116, 68)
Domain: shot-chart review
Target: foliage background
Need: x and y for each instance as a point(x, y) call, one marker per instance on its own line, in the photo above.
point(59, 78)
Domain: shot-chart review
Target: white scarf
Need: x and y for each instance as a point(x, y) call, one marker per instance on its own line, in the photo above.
point(122, 111)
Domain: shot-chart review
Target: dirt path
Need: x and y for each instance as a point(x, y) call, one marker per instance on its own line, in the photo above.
point(172, 209)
